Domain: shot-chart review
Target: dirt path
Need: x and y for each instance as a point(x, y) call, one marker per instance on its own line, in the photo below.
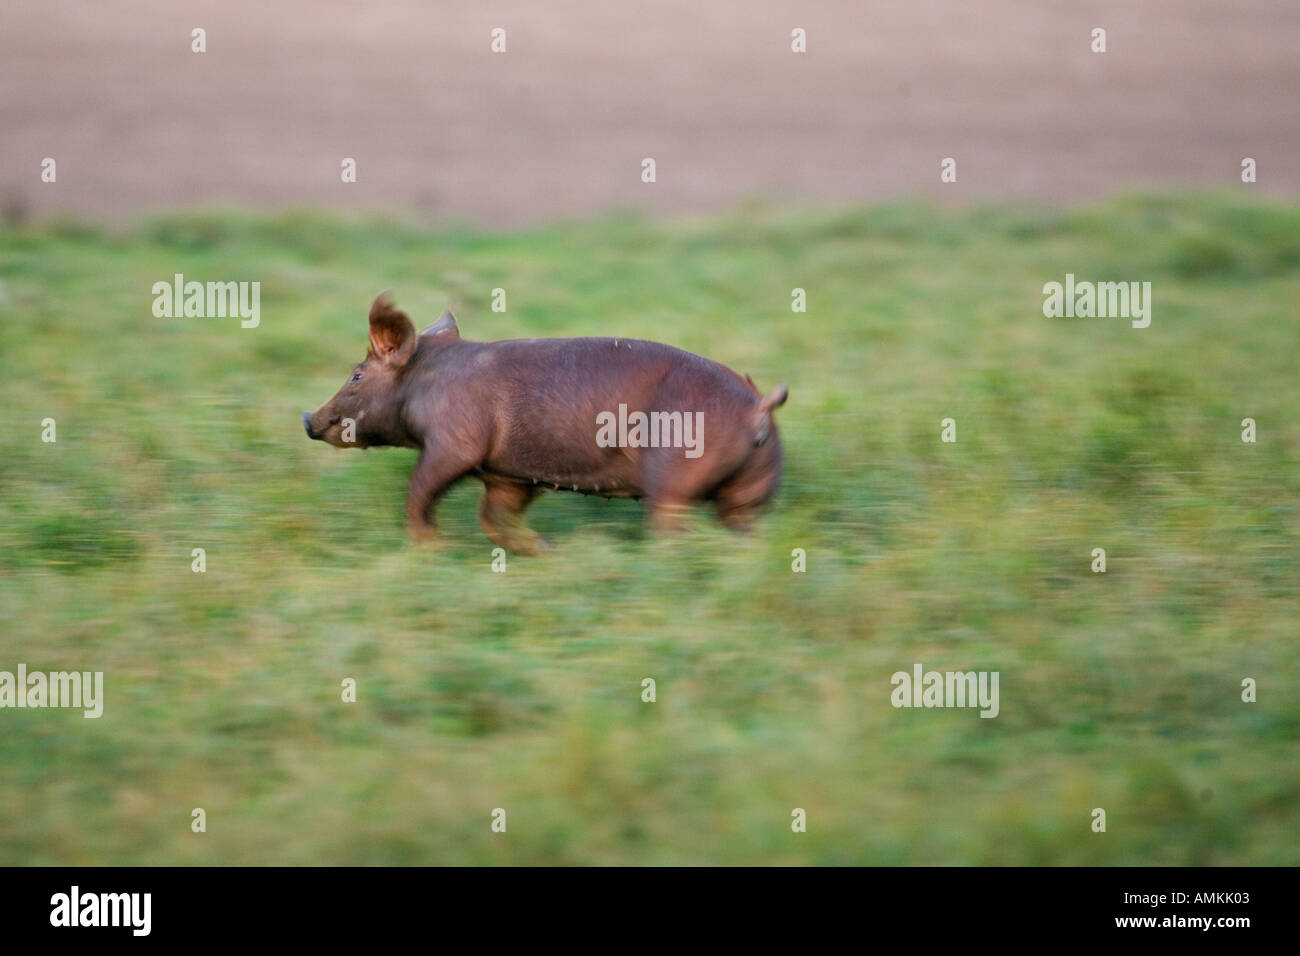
point(558, 125)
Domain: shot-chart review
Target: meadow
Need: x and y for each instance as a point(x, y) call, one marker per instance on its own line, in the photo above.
point(522, 690)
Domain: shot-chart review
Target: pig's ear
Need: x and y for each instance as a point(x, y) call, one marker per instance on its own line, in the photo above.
point(392, 334)
point(445, 327)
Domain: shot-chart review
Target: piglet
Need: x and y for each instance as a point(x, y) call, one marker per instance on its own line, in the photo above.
point(623, 418)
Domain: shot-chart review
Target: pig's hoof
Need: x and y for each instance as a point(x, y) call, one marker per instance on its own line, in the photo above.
point(425, 536)
point(528, 544)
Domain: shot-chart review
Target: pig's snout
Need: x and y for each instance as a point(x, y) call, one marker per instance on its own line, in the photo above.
point(308, 418)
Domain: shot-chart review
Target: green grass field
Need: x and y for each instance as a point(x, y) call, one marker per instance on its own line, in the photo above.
point(522, 690)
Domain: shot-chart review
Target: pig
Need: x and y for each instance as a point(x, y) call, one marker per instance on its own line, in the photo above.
point(528, 415)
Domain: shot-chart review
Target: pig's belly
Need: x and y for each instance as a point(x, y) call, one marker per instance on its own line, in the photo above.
point(613, 474)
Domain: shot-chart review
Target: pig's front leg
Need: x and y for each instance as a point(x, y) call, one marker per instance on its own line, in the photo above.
point(434, 474)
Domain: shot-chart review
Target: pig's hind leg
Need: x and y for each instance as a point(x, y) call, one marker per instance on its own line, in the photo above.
point(501, 513)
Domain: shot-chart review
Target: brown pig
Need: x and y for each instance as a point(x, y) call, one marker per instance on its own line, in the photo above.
point(623, 418)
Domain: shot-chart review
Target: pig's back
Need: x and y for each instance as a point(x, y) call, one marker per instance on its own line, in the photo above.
point(553, 373)
point(544, 396)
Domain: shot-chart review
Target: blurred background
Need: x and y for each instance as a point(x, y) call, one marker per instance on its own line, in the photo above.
point(558, 125)
point(775, 171)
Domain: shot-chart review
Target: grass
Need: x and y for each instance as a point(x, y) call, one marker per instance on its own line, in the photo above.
point(522, 690)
